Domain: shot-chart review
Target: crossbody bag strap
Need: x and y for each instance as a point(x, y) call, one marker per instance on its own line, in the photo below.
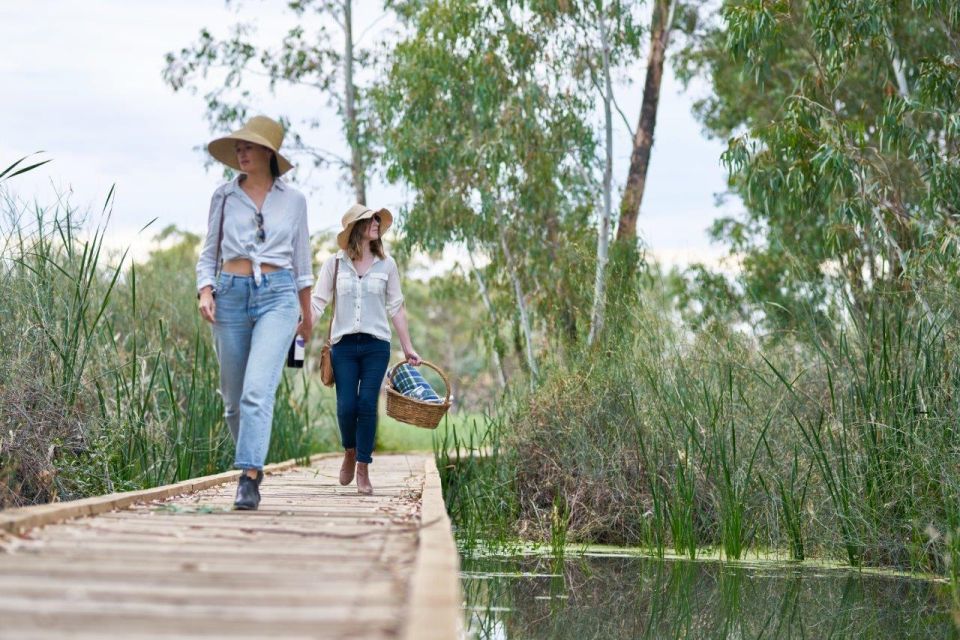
point(223, 206)
point(333, 307)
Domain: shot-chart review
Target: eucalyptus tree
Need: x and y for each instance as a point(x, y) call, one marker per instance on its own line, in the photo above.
point(661, 27)
point(592, 41)
point(603, 232)
point(498, 155)
point(314, 59)
point(589, 43)
point(844, 126)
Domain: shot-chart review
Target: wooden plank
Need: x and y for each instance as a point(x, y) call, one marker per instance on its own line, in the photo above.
point(243, 607)
point(200, 572)
point(316, 585)
point(384, 594)
point(434, 608)
point(223, 520)
point(26, 518)
point(289, 554)
point(165, 624)
point(247, 532)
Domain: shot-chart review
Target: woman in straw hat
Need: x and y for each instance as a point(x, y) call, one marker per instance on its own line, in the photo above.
point(253, 281)
point(368, 291)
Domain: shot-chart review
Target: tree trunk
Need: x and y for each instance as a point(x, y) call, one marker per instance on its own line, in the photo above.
point(521, 305)
point(643, 139)
point(497, 362)
point(899, 67)
point(603, 233)
point(899, 261)
point(357, 170)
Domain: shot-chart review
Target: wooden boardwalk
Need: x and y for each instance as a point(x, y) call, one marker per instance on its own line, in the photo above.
point(316, 561)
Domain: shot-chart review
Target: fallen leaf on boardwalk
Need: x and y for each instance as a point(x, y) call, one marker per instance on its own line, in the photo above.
point(172, 507)
point(10, 544)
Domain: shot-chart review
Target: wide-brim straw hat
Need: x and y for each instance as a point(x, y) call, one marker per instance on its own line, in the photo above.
point(359, 212)
point(258, 130)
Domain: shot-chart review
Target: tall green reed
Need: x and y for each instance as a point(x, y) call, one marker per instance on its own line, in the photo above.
point(478, 478)
point(791, 493)
point(559, 523)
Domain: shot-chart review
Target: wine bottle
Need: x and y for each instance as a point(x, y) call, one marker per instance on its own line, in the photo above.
point(296, 353)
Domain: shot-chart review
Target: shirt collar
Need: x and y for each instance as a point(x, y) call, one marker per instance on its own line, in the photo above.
point(341, 254)
point(278, 184)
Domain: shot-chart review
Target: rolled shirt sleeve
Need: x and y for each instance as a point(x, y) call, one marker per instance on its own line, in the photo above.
point(394, 294)
point(302, 254)
point(323, 291)
point(207, 262)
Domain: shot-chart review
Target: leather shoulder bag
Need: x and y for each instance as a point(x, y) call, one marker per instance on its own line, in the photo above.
point(326, 359)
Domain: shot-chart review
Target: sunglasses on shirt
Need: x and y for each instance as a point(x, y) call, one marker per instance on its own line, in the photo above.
point(261, 234)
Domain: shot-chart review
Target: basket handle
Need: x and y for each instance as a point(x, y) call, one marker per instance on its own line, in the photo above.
point(446, 383)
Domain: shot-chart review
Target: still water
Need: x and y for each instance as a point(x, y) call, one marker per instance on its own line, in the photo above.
point(614, 598)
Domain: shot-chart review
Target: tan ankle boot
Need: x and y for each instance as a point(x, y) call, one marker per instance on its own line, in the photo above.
point(363, 479)
point(348, 466)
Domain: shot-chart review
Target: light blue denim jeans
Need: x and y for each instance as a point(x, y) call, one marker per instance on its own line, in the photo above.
point(254, 327)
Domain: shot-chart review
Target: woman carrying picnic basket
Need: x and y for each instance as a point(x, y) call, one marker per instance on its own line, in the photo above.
point(364, 285)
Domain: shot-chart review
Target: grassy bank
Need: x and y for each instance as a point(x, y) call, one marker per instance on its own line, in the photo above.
point(398, 436)
point(108, 380)
point(837, 447)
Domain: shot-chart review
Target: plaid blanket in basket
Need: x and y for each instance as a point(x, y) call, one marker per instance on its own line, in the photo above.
point(408, 381)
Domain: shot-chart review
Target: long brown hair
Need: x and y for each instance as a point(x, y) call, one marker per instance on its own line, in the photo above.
point(354, 243)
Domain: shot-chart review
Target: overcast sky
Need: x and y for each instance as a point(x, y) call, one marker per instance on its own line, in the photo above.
point(82, 81)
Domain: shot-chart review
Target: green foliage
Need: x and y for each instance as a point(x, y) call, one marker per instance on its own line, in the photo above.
point(842, 119)
point(497, 154)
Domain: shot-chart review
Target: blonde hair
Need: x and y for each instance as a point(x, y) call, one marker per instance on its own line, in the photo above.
point(354, 243)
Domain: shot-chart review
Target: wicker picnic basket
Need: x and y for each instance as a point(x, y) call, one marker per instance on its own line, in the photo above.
point(411, 410)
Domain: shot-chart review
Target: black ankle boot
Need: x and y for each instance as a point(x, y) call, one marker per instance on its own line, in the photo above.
point(248, 494)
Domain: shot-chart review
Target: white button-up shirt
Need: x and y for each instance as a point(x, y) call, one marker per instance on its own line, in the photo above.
point(286, 242)
point(363, 303)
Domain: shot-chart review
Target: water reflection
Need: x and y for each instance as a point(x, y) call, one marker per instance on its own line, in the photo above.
point(616, 598)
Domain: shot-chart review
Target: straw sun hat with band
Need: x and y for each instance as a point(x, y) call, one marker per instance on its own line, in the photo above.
point(355, 214)
point(258, 130)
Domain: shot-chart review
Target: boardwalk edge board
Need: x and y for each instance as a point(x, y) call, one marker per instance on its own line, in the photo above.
point(435, 602)
point(21, 520)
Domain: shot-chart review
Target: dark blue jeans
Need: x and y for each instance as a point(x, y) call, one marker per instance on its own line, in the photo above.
point(359, 364)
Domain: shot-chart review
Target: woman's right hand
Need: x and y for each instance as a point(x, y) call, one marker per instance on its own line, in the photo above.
point(207, 305)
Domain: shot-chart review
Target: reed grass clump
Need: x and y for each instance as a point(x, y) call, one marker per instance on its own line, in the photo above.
point(478, 475)
point(840, 446)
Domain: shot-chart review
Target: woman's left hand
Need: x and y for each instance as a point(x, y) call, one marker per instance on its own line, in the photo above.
point(413, 358)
